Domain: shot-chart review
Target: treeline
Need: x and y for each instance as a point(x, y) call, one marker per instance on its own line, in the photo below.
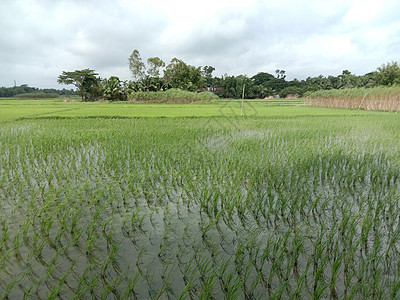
point(264, 84)
point(180, 75)
point(25, 91)
point(156, 76)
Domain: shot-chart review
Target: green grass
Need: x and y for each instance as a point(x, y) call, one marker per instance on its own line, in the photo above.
point(32, 109)
point(191, 200)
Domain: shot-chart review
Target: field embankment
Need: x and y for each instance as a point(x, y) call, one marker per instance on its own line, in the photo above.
point(377, 98)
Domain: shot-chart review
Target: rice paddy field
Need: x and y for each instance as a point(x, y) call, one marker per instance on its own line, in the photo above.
point(191, 201)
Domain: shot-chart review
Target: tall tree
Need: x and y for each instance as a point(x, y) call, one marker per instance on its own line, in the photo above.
point(84, 80)
point(207, 72)
point(262, 78)
point(155, 63)
point(183, 76)
point(136, 65)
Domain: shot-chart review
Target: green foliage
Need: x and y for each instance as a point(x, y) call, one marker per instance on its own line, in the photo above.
point(262, 78)
point(136, 65)
point(12, 91)
point(388, 74)
point(25, 89)
point(114, 90)
point(182, 76)
point(207, 73)
point(232, 87)
point(155, 63)
point(151, 84)
point(92, 89)
point(85, 80)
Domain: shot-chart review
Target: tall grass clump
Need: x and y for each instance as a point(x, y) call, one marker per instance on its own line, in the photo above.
point(377, 98)
point(173, 95)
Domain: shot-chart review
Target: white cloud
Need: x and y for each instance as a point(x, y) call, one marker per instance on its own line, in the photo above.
point(40, 39)
point(364, 11)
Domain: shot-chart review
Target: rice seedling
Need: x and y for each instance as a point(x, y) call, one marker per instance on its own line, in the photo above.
point(296, 202)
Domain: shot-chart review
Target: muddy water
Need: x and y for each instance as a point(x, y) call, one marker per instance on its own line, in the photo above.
point(95, 221)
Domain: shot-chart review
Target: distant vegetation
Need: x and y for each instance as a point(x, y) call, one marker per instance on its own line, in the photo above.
point(37, 95)
point(25, 91)
point(180, 76)
point(385, 95)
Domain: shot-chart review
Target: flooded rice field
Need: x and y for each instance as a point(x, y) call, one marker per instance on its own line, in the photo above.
point(173, 209)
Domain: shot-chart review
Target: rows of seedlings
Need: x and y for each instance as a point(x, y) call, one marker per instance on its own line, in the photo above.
point(168, 209)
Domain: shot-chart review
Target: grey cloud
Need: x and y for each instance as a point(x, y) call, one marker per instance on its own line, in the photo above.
point(40, 39)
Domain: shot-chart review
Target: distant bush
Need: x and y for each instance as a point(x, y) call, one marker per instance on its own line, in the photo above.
point(173, 95)
point(376, 98)
point(36, 95)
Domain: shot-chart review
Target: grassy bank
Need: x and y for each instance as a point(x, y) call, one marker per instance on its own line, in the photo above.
point(190, 201)
point(377, 98)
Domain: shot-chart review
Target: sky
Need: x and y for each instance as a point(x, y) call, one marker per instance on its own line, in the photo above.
point(39, 39)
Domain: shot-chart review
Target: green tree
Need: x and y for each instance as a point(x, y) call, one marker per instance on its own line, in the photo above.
point(233, 87)
point(229, 86)
point(92, 89)
point(177, 73)
point(207, 73)
point(182, 76)
point(152, 84)
point(347, 79)
point(388, 74)
point(114, 90)
point(335, 81)
point(368, 80)
point(85, 81)
point(262, 77)
point(155, 63)
point(136, 65)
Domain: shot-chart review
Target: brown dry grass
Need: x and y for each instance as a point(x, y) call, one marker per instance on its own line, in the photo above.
point(369, 100)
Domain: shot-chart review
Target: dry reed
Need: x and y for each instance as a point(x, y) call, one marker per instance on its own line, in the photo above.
point(378, 98)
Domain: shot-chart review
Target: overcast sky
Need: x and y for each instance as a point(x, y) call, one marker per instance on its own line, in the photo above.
point(41, 38)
